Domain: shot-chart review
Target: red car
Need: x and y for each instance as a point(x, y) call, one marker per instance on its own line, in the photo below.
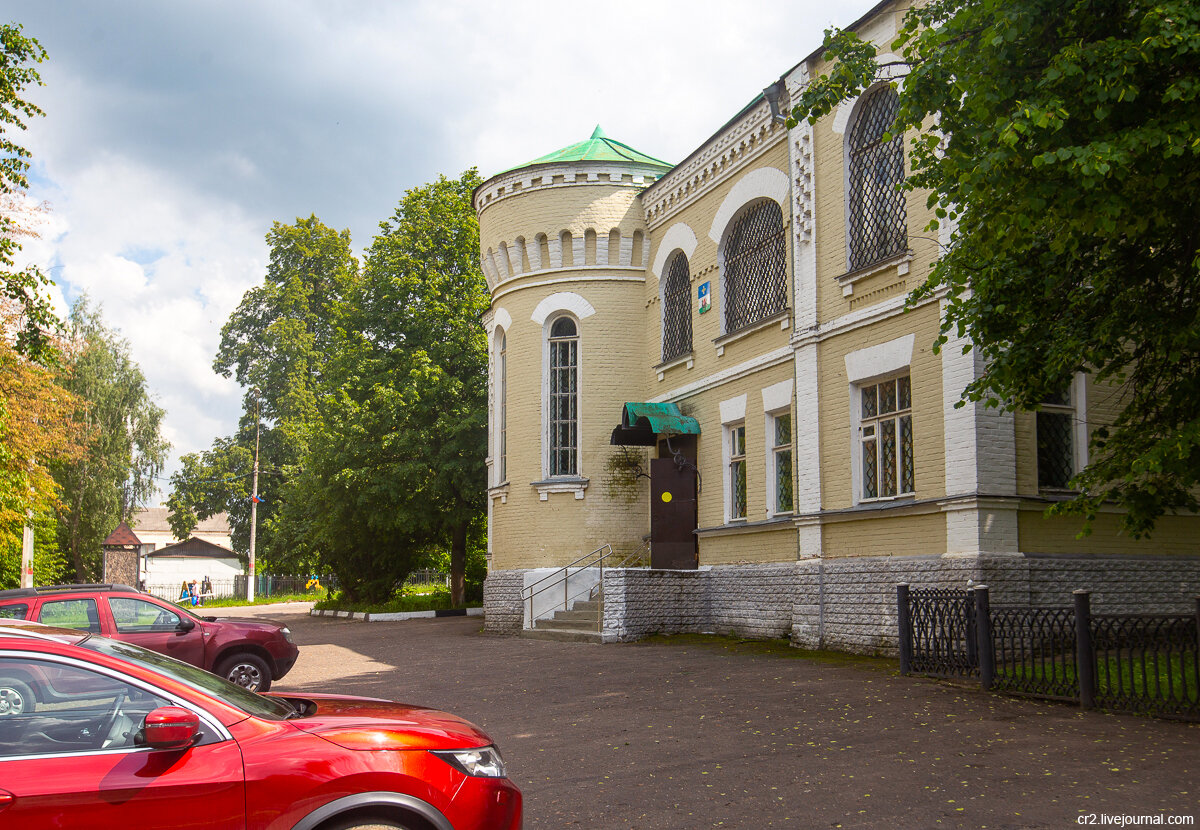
point(97, 734)
point(251, 653)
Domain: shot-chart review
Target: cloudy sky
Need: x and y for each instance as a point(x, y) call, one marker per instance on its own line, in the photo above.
point(177, 131)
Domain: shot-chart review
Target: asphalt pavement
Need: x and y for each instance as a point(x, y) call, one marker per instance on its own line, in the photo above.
point(685, 733)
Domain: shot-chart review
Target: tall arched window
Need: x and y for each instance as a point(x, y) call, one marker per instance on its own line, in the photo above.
point(677, 309)
point(501, 406)
point(755, 260)
point(563, 419)
point(876, 211)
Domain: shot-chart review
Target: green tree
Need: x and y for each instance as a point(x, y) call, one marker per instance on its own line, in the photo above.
point(397, 468)
point(276, 344)
point(38, 429)
point(125, 449)
point(1061, 140)
point(24, 285)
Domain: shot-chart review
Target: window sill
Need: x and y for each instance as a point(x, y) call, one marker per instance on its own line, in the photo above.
point(566, 484)
point(884, 501)
point(901, 262)
point(735, 526)
point(783, 318)
point(500, 491)
point(686, 358)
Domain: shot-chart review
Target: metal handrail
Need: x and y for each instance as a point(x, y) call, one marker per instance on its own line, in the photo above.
point(563, 575)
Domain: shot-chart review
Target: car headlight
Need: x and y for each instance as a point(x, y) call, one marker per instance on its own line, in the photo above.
point(484, 762)
point(287, 634)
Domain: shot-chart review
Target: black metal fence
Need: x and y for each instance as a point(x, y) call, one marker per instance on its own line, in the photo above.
point(1148, 663)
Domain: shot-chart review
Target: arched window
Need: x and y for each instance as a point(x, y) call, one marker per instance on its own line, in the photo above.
point(501, 406)
point(876, 212)
point(755, 261)
point(563, 421)
point(677, 309)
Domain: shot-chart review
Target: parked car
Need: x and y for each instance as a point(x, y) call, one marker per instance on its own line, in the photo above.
point(98, 734)
point(251, 653)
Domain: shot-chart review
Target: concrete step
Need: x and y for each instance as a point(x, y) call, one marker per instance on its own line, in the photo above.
point(576, 614)
point(568, 625)
point(562, 635)
point(591, 605)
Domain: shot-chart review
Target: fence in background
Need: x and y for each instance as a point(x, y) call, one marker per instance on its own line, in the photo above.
point(1146, 663)
point(266, 585)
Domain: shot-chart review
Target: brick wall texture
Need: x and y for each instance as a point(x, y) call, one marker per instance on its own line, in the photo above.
point(849, 604)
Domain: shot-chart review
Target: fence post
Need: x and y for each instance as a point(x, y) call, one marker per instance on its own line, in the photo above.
point(983, 637)
point(1085, 655)
point(904, 619)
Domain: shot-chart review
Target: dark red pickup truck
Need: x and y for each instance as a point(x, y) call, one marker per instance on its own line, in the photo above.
point(250, 653)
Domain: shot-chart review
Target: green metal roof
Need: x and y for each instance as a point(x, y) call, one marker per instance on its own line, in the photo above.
point(662, 418)
point(598, 148)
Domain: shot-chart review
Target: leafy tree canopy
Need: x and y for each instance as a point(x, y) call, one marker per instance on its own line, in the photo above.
point(125, 449)
point(38, 429)
point(396, 468)
point(1061, 141)
point(277, 344)
point(22, 285)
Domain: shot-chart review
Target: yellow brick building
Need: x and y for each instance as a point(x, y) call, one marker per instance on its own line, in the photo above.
point(811, 454)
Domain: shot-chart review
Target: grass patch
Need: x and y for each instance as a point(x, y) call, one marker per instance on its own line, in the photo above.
point(1172, 677)
point(437, 599)
point(777, 648)
point(274, 599)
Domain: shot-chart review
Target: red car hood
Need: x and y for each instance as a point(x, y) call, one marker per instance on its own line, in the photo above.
point(364, 723)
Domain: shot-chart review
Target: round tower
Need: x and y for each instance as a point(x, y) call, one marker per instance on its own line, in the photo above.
point(563, 245)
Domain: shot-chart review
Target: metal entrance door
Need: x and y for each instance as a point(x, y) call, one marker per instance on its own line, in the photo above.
point(672, 515)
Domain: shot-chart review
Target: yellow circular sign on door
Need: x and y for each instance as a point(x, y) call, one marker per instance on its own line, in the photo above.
point(666, 497)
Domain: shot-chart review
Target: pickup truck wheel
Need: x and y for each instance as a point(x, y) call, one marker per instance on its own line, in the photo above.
point(246, 670)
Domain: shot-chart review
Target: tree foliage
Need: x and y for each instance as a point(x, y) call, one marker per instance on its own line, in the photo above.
point(396, 466)
point(276, 344)
point(1061, 141)
point(38, 429)
point(125, 449)
point(23, 285)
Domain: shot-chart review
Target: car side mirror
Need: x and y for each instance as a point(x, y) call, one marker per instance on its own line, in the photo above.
point(170, 727)
point(185, 625)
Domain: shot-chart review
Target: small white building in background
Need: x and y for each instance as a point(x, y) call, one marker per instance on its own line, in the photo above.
point(164, 562)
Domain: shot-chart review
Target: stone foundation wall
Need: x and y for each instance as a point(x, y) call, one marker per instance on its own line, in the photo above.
point(502, 609)
point(849, 604)
point(747, 600)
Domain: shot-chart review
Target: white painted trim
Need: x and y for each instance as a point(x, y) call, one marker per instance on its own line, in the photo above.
point(562, 301)
point(679, 236)
point(1080, 402)
point(880, 360)
point(500, 319)
point(546, 323)
point(605, 276)
point(760, 183)
point(778, 396)
point(807, 454)
point(733, 410)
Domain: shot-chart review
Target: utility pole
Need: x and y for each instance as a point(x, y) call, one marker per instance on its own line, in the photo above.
point(253, 503)
point(27, 557)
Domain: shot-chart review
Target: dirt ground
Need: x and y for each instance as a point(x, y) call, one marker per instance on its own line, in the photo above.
point(693, 733)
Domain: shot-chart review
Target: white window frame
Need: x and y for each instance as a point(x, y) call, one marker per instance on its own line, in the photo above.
point(773, 452)
point(733, 417)
point(859, 438)
point(501, 415)
point(547, 437)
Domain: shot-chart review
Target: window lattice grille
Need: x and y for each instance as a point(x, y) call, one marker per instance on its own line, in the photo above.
point(677, 309)
point(564, 398)
point(885, 430)
point(1056, 460)
point(877, 212)
point(737, 472)
point(755, 267)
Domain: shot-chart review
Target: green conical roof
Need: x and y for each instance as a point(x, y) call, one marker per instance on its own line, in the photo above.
point(598, 148)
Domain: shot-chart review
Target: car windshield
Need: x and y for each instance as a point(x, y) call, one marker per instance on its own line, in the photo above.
point(218, 687)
